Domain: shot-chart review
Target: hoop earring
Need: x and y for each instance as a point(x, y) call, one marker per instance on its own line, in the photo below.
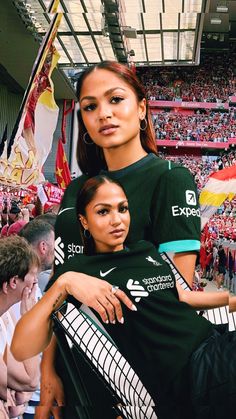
point(87, 142)
point(145, 123)
point(87, 234)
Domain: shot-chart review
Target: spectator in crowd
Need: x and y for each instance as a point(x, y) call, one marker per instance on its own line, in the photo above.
point(18, 269)
point(40, 234)
point(16, 227)
point(231, 265)
point(222, 260)
point(49, 217)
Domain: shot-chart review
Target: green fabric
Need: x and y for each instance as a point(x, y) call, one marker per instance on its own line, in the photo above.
point(159, 338)
point(153, 187)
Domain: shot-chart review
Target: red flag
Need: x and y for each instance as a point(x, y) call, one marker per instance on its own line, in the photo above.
point(62, 168)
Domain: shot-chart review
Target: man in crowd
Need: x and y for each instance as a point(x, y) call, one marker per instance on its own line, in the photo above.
point(18, 281)
point(40, 234)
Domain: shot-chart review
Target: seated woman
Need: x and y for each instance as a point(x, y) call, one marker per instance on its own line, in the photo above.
point(171, 348)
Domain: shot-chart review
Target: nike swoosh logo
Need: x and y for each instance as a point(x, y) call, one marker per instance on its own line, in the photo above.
point(65, 209)
point(102, 274)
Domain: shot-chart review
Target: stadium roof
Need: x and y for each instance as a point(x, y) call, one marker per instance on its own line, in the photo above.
point(146, 32)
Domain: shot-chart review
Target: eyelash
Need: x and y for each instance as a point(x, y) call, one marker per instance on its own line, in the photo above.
point(92, 106)
point(122, 209)
point(102, 211)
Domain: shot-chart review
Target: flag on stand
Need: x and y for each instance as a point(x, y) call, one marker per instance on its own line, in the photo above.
point(32, 136)
point(220, 186)
point(62, 168)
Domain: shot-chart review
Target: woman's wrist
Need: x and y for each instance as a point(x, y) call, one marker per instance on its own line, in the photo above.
point(68, 280)
point(60, 291)
point(64, 282)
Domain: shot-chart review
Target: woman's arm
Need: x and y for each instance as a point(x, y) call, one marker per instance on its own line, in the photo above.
point(203, 300)
point(37, 323)
point(185, 263)
point(232, 303)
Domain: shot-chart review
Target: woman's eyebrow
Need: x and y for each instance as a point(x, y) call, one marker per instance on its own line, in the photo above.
point(108, 92)
point(109, 205)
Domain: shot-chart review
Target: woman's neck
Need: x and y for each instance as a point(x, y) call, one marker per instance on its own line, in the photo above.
point(120, 157)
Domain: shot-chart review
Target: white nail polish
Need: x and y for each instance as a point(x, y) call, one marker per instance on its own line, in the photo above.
point(134, 308)
point(113, 322)
point(106, 321)
point(122, 320)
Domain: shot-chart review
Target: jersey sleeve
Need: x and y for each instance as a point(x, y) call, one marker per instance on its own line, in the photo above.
point(176, 213)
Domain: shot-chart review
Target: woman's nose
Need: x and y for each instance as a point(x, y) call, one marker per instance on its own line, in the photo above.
point(104, 111)
point(115, 219)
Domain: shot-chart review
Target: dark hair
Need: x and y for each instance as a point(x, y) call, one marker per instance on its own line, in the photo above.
point(35, 231)
point(17, 258)
point(84, 197)
point(90, 158)
point(48, 217)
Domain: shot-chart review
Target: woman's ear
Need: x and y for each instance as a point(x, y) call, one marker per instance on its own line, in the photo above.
point(83, 221)
point(142, 108)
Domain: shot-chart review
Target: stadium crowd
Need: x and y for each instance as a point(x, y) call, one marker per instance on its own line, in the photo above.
point(201, 167)
point(212, 81)
point(208, 126)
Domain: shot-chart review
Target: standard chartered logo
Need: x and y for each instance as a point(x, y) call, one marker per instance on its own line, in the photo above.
point(186, 211)
point(59, 253)
point(136, 290)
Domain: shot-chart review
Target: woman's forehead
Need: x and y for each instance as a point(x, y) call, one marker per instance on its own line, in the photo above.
point(103, 79)
point(107, 192)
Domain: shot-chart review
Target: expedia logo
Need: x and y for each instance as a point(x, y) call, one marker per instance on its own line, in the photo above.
point(59, 253)
point(190, 197)
point(186, 211)
point(136, 290)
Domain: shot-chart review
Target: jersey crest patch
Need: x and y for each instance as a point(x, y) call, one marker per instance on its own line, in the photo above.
point(151, 260)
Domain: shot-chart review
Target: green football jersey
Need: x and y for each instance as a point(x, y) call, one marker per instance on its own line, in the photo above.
point(163, 207)
point(159, 338)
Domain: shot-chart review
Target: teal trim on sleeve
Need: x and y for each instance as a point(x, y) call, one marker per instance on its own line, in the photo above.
point(179, 246)
point(169, 165)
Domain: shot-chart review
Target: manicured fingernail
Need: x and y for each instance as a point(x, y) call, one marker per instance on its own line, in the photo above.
point(133, 307)
point(113, 322)
point(106, 321)
point(122, 320)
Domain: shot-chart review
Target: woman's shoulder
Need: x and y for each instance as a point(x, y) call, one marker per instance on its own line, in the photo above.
point(159, 166)
point(73, 188)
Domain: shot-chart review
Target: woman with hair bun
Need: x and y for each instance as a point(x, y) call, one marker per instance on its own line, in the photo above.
point(174, 351)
